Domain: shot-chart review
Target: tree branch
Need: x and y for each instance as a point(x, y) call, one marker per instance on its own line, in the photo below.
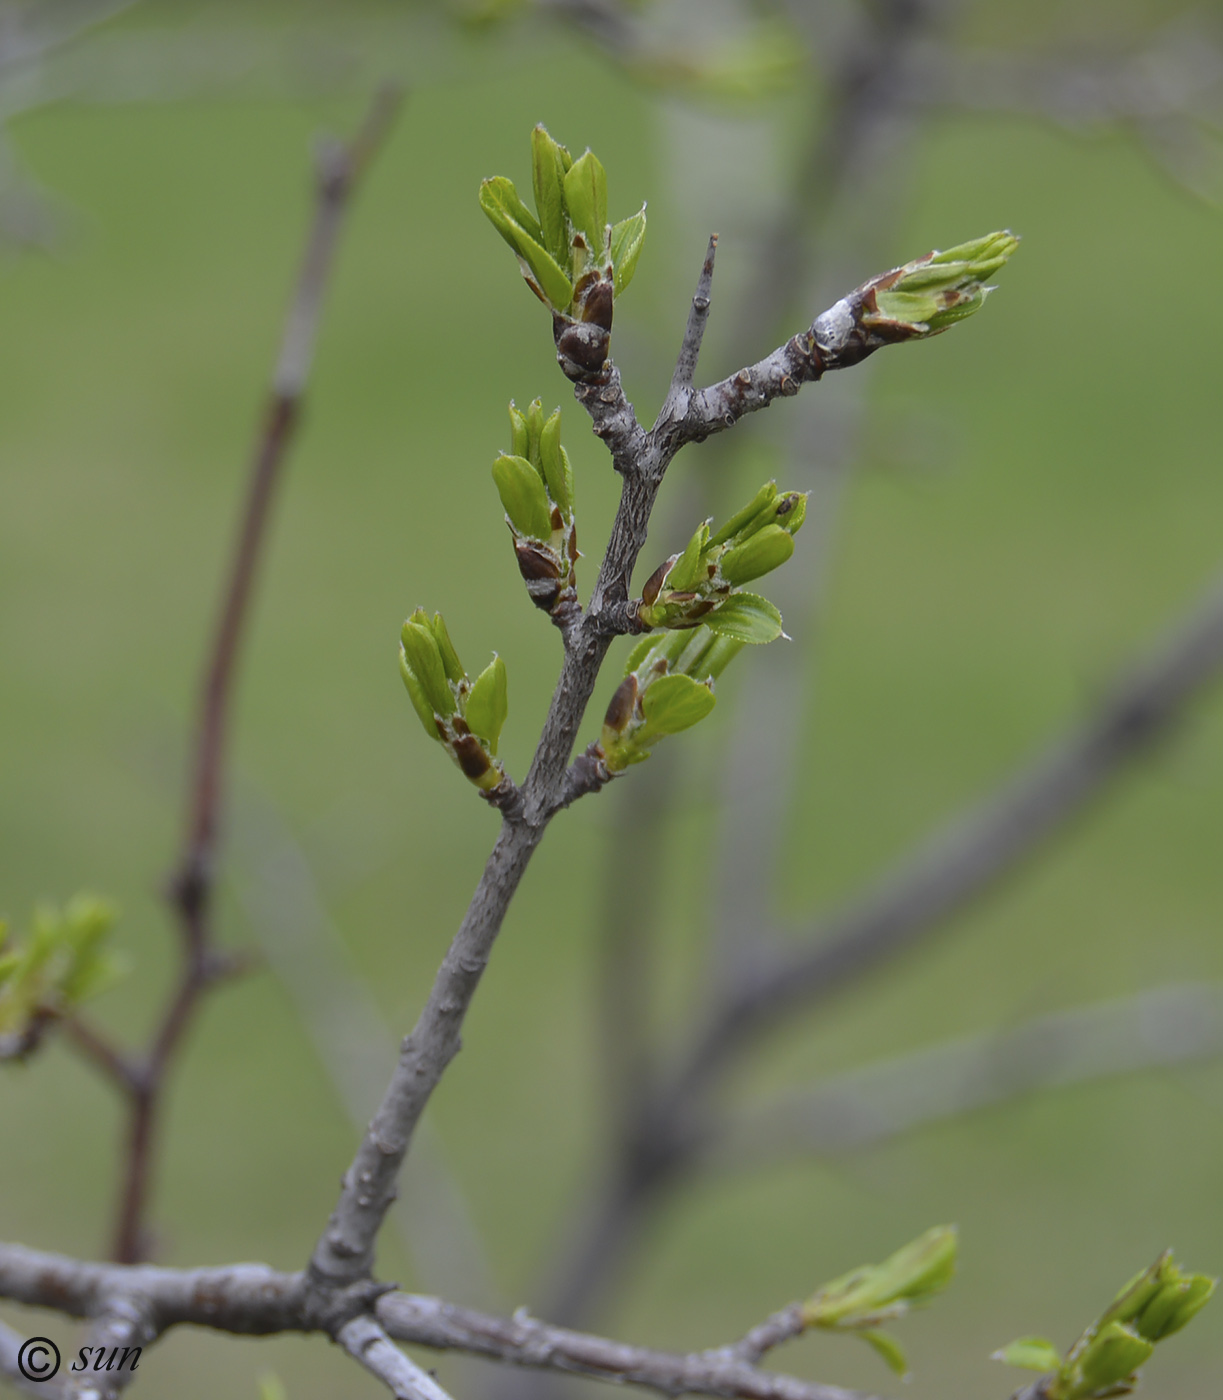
point(525, 1341)
point(344, 1253)
point(365, 1341)
point(251, 1299)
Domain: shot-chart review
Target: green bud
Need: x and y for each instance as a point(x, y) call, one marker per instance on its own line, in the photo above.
point(523, 497)
point(1199, 1292)
point(930, 294)
point(519, 440)
point(488, 704)
point(1112, 1356)
point(586, 201)
point(763, 552)
point(548, 166)
point(555, 463)
point(424, 660)
point(627, 238)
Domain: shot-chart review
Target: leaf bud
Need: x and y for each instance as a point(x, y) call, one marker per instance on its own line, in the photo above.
point(758, 555)
point(523, 497)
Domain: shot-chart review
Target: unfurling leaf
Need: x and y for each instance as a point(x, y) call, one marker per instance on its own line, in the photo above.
point(586, 198)
point(930, 294)
point(463, 717)
point(889, 1348)
point(627, 239)
point(673, 704)
point(488, 704)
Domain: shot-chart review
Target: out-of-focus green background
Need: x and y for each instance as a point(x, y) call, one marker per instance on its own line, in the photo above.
point(1037, 493)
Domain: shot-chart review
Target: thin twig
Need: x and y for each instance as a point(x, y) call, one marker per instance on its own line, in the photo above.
point(344, 1253)
point(366, 1342)
point(253, 1300)
point(190, 889)
point(121, 1330)
point(694, 333)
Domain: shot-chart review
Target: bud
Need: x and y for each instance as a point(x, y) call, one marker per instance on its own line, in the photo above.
point(465, 718)
point(519, 439)
point(424, 660)
point(573, 261)
point(558, 475)
point(932, 293)
point(696, 585)
point(765, 551)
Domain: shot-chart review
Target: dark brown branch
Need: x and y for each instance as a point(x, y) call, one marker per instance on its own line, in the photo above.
point(190, 889)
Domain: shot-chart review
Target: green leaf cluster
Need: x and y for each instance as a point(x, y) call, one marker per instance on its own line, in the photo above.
point(932, 293)
point(464, 716)
point(875, 1293)
point(62, 963)
point(667, 688)
point(572, 258)
point(1104, 1361)
point(698, 585)
point(535, 482)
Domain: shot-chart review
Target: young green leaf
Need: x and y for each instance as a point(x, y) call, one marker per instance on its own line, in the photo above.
point(746, 617)
point(627, 238)
point(586, 200)
point(488, 704)
point(548, 168)
point(552, 280)
point(416, 693)
point(889, 1348)
point(672, 704)
point(523, 497)
point(1032, 1353)
point(424, 660)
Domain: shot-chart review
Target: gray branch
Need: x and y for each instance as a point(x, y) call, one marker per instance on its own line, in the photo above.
point(525, 1341)
point(344, 1253)
point(251, 1299)
point(125, 1324)
point(366, 1342)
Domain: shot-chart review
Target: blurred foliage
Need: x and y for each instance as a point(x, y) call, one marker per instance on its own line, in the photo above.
point(1036, 495)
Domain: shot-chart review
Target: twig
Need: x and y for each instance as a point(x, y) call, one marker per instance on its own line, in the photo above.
point(190, 889)
point(1168, 1026)
point(122, 1329)
point(525, 1341)
point(344, 1253)
point(694, 333)
point(253, 1300)
point(365, 1341)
